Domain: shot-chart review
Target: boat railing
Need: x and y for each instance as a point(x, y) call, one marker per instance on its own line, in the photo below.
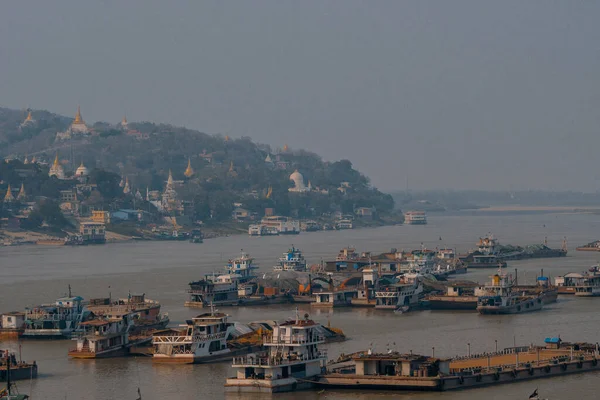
point(275, 360)
point(295, 339)
point(182, 339)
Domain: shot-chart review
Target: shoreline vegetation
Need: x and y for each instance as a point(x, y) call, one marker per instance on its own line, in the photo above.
point(118, 235)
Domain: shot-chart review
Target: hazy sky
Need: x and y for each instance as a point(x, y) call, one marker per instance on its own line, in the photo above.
point(447, 94)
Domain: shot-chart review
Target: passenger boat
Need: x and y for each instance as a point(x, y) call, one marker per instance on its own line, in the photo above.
point(146, 312)
point(502, 300)
point(223, 290)
point(593, 246)
point(589, 286)
point(107, 336)
point(292, 260)
point(202, 339)
point(55, 321)
point(15, 370)
point(291, 360)
point(415, 218)
point(405, 293)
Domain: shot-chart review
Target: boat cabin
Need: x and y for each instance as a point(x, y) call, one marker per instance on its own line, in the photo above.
point(339, 298)
point(13, 320)
point(395, 364)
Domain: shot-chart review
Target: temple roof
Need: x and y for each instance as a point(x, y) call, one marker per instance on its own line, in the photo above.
point(189, 171)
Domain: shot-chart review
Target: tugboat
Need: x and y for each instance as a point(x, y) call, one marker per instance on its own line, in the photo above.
point(55, 321)
point(292, 260)
point(292, 359)
point(502, 300)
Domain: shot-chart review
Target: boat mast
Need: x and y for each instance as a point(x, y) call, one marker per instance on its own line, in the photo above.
point(8, 383)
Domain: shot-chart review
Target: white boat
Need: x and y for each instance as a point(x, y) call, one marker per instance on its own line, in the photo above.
point(415, 218)
point(589, 286)
point(501, 299)
point(202, 339)
point(291, 360)
point(292, 260)
point(243, 266)
point(405, 293)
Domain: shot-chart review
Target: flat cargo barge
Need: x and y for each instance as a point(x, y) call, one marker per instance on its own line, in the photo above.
point(409, 372)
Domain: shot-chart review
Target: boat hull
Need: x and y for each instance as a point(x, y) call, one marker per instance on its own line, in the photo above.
point(86, 355)
point(26, 371)
point(59, 334)
point(234, 385)
point(453, 302)
point(496, 265)
point(193, 359)
point(522, 307)
point(566, 290)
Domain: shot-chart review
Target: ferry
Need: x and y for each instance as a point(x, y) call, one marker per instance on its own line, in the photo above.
point(202, 339)
point(291, 360)
point(146, 312)
point(344, 224)
point(593, 246)
point(502, 300)
point(283, 225)
point(55, 321)
point(292, 260)
point(107, 336)
point(405, 293)
point(219, 290)
point(589, 286)
point(262, 230)
point(568, 283)
point(243, 266)
point(415, 218)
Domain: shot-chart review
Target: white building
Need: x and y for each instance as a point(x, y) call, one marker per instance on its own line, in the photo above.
point(299, 186)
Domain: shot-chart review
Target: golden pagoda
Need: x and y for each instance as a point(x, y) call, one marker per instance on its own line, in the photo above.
point(227, 138)
point(28, 120)
point(78, 120)
point(8, 197)
point(22, 195)
point(189, 171)
point(269, 192)
point(57, 169)
point(29, 117)
point(285, 148)
point(126, 189)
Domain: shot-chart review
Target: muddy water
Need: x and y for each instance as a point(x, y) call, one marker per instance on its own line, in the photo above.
point(31, 275)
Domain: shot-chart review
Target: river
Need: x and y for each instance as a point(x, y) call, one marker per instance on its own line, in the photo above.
point(31, 275)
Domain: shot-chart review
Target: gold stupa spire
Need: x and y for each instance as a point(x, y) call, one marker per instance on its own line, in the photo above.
point(285, 147)
point(29, 117)
point(78, 119)
point(8, 197)
point(231, 168)
point(226, 138)
point(189, 171)
point(22, 195)
point(56, 163)
point(170, 179)
point(124, 120)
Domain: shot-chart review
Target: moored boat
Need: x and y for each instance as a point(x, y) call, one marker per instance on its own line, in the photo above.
point(55, 321)
point(107, 336)
point(13, 369)
point(503, 300)
point(146, 312)
point(291, 360)
point(202, 339)
point(292, 260)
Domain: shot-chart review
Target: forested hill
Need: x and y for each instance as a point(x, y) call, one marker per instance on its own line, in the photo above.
point(230, 170)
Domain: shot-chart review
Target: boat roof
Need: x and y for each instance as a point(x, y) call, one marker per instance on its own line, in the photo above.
point(96, 322)
point(13, 313)
point(574, 275)
point(300, 322)
point(67, 298)
point(552, 340)
point(209, 315)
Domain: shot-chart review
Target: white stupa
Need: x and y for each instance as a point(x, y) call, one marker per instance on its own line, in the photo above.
point(298, 180)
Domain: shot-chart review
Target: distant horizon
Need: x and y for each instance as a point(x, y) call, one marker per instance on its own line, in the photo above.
point(462, 94)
